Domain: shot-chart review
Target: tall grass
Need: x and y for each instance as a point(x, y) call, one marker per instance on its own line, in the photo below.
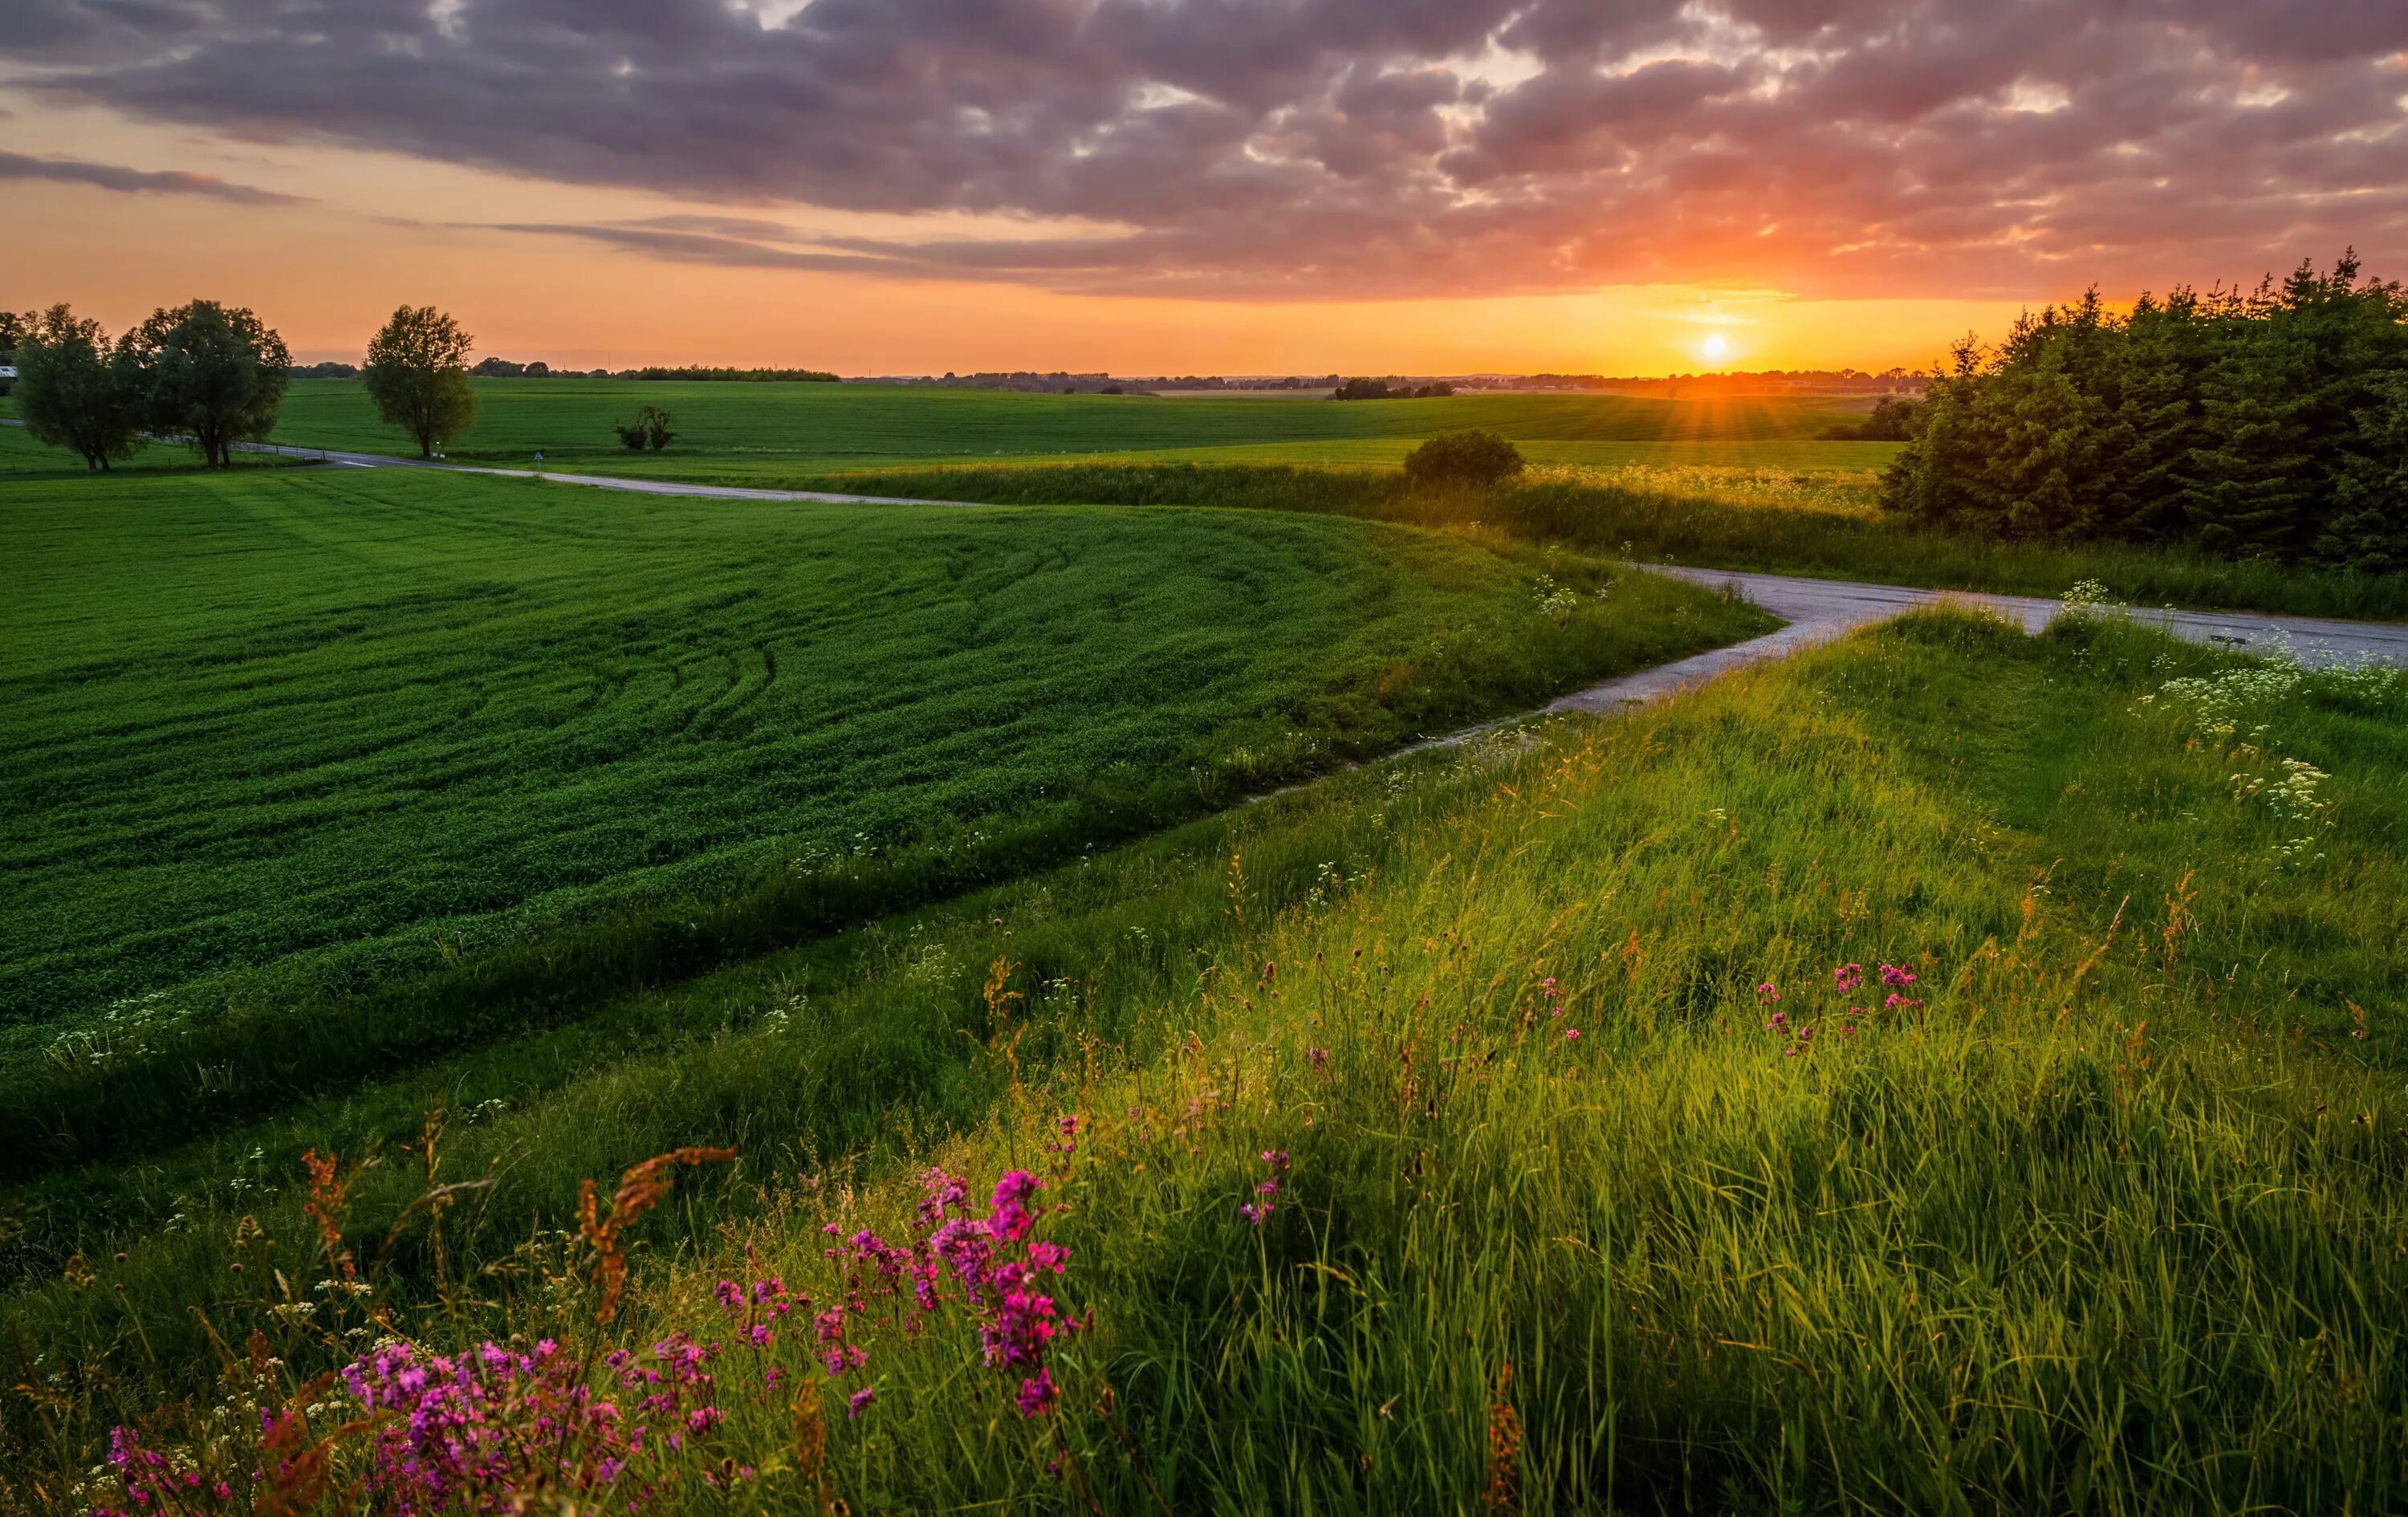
point(2112, 1219)
point(1679, 517)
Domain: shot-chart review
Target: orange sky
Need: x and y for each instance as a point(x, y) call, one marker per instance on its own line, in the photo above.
point(326, 272)
point(1206, 186)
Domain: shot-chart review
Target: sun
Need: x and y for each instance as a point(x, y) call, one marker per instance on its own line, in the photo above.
point(1716, 349)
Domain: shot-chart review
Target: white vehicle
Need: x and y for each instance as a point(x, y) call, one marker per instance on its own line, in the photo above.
point(7, 371)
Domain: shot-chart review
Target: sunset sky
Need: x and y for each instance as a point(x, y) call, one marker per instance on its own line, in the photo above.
point(1210, 186)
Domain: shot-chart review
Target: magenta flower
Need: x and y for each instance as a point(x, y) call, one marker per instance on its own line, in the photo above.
point(1848, 977)
point(859, 1401)
point(1038, 1395)
point(1572, 1035)
point(1765, 993)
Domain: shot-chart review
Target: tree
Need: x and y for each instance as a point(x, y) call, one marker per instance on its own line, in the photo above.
point(12, 331)
point(417, 374)
point(2270, 423)
point(215, 373)
point(1474, 458)
point(70, 393)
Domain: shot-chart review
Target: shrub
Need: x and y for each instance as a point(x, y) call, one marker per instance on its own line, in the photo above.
point(650, 429)
point(1463, 458)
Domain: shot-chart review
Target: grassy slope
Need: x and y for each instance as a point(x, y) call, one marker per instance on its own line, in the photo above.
point(2115, 1222)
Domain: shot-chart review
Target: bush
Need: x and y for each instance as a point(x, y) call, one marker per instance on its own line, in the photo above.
point(650, 429)
point(1463, 458)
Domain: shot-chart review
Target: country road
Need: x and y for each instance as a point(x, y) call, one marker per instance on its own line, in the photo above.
point(1820, 611)
point(1816, 610)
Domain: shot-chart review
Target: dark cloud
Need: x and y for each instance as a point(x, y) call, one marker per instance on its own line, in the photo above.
point(1352, 148)
point(14, 165)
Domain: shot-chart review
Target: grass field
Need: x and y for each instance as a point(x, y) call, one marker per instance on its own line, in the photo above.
point(287, 736)
point(752, 428)
point(23, 461)
point(2104, 1212)
point(1736, 484)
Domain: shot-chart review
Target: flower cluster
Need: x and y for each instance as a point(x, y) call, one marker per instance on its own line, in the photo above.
point(498, 1424)
point(1798, 1034)
point(154, 1484)
point(1898, 977)
point(995, 1269)
point(1265, 1201)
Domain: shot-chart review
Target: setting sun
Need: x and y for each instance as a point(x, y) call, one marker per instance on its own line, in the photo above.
point(1716, 349)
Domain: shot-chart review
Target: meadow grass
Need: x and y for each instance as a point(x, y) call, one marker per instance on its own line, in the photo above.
point(320, 773)
point(2104, 1213)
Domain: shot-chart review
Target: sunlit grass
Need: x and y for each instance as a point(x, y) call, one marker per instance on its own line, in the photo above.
point(2104, 1213)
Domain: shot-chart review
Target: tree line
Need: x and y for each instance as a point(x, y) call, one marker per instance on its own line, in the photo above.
point(1381, 389)
point(214, 376)
point(2270, 423)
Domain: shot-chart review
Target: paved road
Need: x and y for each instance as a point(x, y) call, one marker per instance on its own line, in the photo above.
point(1821, 611)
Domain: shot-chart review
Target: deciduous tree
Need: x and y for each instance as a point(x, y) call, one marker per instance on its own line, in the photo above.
point(417, 374)
point(71, 393)
point(214, 373)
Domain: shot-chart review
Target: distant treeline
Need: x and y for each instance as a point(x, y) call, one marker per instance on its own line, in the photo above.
point(2271, 425)
point(1771, 381)
point(502, 368)
point(1384, 390)
point(1063, 382)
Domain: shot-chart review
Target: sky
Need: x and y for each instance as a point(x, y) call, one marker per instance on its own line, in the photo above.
point(1189, 186)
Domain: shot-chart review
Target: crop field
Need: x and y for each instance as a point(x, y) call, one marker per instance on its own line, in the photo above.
point(732, 430)
point(367, 721)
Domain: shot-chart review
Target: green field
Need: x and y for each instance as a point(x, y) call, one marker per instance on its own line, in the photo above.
point(737, 430)
point(497, 834)
point(23, 461)
point(2111, 1219)
point(290, 735)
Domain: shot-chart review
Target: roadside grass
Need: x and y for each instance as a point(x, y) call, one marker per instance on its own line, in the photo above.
point(2106, 1213)
point(320, 773)
point(23, 461)
point(1708, 517)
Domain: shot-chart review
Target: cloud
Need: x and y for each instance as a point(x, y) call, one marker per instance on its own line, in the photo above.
point(1351, 149)
point(14, 165)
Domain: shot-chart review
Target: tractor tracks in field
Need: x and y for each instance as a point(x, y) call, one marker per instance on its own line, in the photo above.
point(1815, 610)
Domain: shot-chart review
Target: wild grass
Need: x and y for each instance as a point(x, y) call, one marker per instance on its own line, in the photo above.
point(2104, 1215)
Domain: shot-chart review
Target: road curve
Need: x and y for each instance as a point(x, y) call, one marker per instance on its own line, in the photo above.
point(1822, 610)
